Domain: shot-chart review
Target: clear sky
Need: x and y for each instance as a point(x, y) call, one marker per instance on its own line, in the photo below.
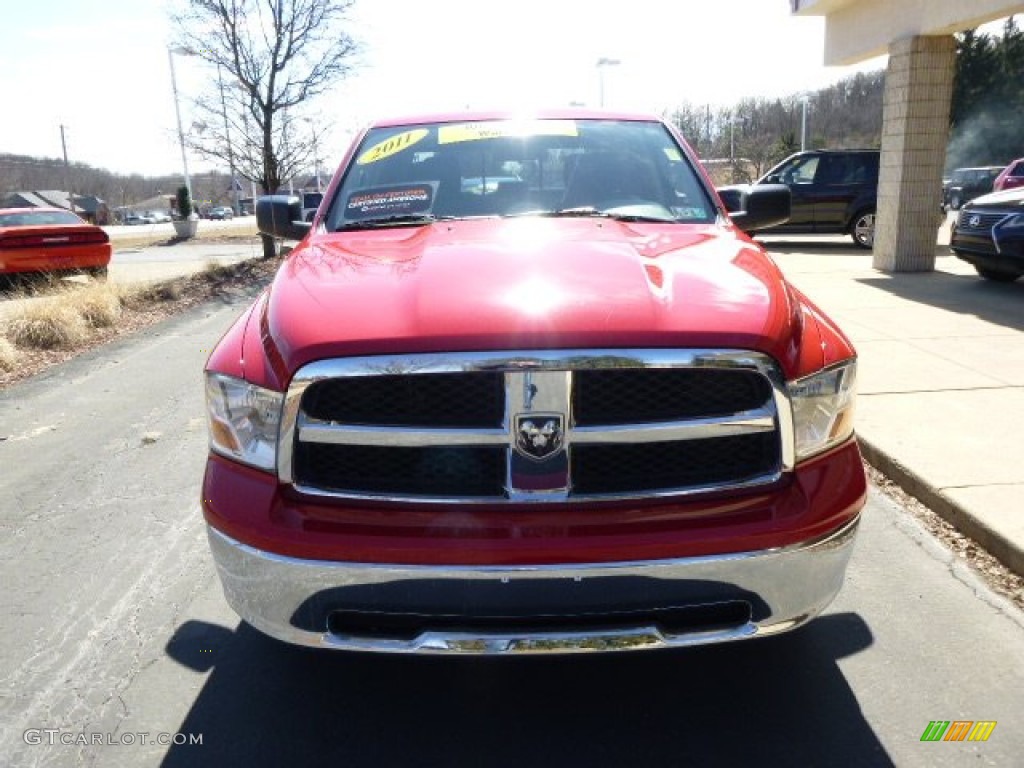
point(101, 67)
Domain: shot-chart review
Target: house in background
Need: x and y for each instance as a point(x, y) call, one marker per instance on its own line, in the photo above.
point(89, 207)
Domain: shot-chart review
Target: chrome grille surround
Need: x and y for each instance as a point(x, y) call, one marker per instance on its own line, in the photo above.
point(522, 371)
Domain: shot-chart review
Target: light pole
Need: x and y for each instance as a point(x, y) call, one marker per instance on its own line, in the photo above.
point(316, 159)
point(732, 139)
point(177, 114)
point(803, 124)
point(67, 171)
point(601, 64)
point(732, 144)
point(316, 154)
point(227, 138)
point(733, 119)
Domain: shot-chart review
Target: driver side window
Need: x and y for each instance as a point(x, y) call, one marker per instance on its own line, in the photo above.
point(802, 171)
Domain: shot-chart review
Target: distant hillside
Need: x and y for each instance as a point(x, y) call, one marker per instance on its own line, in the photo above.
point(764, 131)
point(747, 138)
point(22, 172)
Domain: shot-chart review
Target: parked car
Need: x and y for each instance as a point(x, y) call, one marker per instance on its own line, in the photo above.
point(137, 219)
point(1011, 177)
point(965, 184)
point(989, 233)
point(51, 240)
point(835, 191)
point(222, 212)
point(584, 412)
point(158, 217)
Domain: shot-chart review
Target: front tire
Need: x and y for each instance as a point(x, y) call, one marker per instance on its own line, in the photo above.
point(998, 275)
point(863, 229)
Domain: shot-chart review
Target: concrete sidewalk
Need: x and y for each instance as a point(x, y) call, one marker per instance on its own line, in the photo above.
point(941, 380)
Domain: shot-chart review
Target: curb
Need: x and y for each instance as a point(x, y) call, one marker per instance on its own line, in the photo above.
point(1009, 553)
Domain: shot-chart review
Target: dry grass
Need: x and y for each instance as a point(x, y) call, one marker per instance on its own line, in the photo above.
point(99, 304)
point(170, 290)
point(50, 323)
point(214, 270)
point(8, 355)
point(141, 297)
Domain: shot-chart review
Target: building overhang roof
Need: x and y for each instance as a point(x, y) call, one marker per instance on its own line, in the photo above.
point(856, 30)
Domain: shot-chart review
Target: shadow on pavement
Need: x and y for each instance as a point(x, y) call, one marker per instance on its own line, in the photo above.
point(173, 240)
point(775, 701)
point(997, 303)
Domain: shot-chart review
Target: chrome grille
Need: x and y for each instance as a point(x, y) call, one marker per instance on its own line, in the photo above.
point(985, 220)
point(536, 426)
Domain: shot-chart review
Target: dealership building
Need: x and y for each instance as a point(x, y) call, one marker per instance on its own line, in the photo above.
point(918, 37)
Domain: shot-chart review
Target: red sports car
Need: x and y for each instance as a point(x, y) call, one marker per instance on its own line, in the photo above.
point(51, 240)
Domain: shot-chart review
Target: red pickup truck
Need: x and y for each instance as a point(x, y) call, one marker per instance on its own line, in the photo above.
point(526, 386)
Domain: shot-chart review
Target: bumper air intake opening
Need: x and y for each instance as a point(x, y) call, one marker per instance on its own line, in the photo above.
point(406, 627)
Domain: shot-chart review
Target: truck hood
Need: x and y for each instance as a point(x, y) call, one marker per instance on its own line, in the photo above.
point(527, 283)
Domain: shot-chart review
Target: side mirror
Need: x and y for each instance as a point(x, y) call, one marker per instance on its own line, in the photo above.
point(761, 206)
point(281, 216)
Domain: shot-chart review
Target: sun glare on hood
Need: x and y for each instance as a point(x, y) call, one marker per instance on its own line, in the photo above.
point(534, 296)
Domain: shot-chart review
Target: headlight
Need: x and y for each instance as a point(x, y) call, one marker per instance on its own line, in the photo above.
point(823, 406)
point(243, 420)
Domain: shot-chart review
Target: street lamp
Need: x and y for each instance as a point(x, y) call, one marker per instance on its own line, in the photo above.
point(316, 154)
point(803, 123)
point(67, 171)
point(601, 64)
point(733, 119)
point(177, 113)
point(227, 138)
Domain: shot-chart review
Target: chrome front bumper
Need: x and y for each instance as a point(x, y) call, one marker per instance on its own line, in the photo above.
point(293, 600)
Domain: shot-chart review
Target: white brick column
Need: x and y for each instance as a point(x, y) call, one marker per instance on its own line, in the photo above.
point(915, 128)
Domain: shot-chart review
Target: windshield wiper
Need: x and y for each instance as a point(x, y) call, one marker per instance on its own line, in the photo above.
point(638, 217)
point(389, 221)
point(581, 212)
point(589, 211)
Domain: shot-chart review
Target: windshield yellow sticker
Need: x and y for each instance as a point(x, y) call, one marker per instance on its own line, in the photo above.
point(499, 129)
point(391, 146)
point(673, 155)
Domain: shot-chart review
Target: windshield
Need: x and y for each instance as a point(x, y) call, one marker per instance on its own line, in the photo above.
point(418, 173)
point(38, 218)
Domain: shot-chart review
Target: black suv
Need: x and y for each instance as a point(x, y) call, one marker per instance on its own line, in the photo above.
point(968, 183)
point(835, 191)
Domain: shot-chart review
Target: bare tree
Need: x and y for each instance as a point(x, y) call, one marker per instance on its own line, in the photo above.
point(273, 58)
